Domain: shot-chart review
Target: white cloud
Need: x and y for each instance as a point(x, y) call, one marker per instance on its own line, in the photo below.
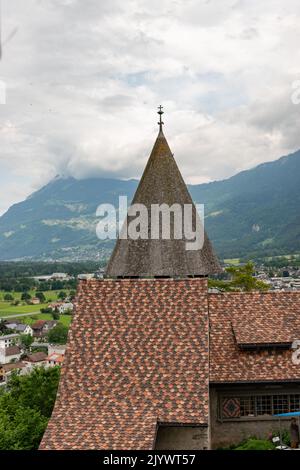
point(84, 79)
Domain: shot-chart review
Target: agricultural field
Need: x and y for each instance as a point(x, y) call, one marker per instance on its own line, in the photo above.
point(64, 319)
point(7, 309)
point(51, 295)
point(232, 261)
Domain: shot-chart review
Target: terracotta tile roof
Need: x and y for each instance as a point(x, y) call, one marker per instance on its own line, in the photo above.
point(137, 354)
point(12, 350)
point(38, 325)
point(262, 319)
point(37, 357)
point(12, 366)
point(56, 357)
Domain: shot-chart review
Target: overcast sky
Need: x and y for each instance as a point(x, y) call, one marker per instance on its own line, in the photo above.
point(84, 79)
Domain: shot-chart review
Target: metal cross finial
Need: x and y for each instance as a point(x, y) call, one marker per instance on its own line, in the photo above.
point(160, 112)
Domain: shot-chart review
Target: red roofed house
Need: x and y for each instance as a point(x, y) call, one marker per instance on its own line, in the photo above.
point(42, 327)
point(7, 369)
point(55, 359)
point(156, 361)
point(10, 354)
point(38, 327)
point(35, 359)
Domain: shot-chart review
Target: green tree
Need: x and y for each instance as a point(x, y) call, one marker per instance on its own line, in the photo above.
point(58, 334)
point(57, 285)
point(3, 329)
point(41, 296)
point(46, 310)
point(62, 295)
point(26, 341)
point(37, 390)
point(25, 296)
point(55, 315)
point(25, 407)
point(241, 279)
point(8, 297)
point(72, 294)
point(21, 429)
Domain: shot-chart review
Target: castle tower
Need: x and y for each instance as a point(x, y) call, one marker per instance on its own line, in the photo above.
point(136, 372)
point(160, 184)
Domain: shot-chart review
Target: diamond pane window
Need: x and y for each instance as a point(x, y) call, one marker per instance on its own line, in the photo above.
point(251, 406)
point(231, 408)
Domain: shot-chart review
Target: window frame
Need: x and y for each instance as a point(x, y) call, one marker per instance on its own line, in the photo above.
point(255, 395)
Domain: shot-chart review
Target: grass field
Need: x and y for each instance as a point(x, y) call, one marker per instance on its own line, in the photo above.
point(6, 309)
point(29, 320)
point(64, 319)
point(232, 261)
point(50, 295)
point(288, 257)
point(11, 310)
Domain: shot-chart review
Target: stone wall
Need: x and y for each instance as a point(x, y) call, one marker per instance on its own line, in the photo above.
point(182, 438)
point(231, 432)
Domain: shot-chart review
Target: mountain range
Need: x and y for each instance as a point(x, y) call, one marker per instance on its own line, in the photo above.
point(255, 213)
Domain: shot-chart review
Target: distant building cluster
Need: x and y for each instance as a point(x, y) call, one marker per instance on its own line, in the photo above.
point(53, 277)
point(67, 277)
point(15, 358)
point(61, 307)
point(287, 279)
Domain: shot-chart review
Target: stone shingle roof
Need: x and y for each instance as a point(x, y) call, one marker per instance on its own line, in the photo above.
point(37, 357)
point(239, 320)
point(21, 327)
point(12, 351)
point(161, 183)
point(38, 325)
point(137, 355)
point(8, 337)
point(12, 366)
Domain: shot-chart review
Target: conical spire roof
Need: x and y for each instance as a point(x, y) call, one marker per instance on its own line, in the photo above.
point(161, 183)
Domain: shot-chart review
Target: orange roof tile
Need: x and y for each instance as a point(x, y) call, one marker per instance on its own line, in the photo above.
point(253, 319)
point(137, 354)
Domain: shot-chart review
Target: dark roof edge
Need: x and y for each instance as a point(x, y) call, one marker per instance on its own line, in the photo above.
point(174, 423)
point(265, 345)
point(245, 382)
point(137, 278)
point(253, 292)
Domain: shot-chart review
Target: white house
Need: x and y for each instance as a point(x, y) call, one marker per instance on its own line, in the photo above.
point(85, 277)
point(56, 354)
point(55, 359)
point(9, 340)
point(65, 307)
point(24, 329)
point(21, 328)
point(56, 348)
point(10, 354)
point(60, 276)
point(7, 369)
point(35, 359)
